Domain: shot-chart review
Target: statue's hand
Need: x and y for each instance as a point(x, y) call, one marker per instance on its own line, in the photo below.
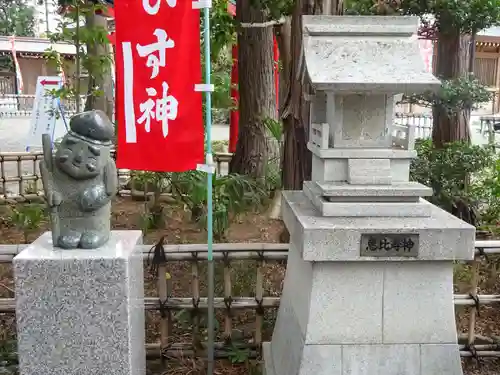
point(111, 178)
point(93, 198)
point(54, 199)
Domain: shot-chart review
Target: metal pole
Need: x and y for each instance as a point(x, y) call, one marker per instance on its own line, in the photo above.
point(209, 161)
point(47, 28)
point(472, 52)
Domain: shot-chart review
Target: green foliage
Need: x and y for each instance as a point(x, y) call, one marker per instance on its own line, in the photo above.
point(16, 18)
point(232, 194)
point(222, 36)
point(221, 97)
point(370, 7)
point(238, 355)
point(486, 188)
point(447, 172)
point(219, 146)
point(27, 218)
point(223, 25)
point(274, 127)
point(222, 28)
point(464, 16)
point(275, 8)
point(155, 183)
point(72, 30)
point(455, 95)
point(451, 16)
point(9, 364)
point(221, 79)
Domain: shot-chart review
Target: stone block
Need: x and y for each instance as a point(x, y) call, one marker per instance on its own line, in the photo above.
point(315, 360)
point(361, 153)
point(442, 359)
point(81, 311)
point(287, 342)
point(369, 172)
point(367, 209)
point(328, 170)
point(346, 300)
point(442, 236)
point(361, 121)
point(331, 164)
point(321, 360)
point(382, 360)
point(400, 170)
point(267, 357)
point(421, 208)
point(297, 286)
point(418, 303)
point(351, 204)
point(396, 190)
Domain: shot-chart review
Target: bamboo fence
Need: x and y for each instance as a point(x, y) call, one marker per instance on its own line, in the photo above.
point(20, 179)
point(24, 176)
point(471, 344)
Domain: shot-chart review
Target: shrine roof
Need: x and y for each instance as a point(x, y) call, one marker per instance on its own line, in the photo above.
point(365, 54)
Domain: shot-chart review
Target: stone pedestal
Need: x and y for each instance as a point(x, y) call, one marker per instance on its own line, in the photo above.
point(342, 313)
point(369, 281)
point(81, 311)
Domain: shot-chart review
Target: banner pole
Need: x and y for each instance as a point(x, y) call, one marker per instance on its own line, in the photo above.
point(209, 161)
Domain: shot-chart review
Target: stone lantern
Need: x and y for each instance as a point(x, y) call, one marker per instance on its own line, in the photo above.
point(369, 283)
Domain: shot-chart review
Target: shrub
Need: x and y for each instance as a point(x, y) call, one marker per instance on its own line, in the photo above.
point(27, 218)
point(463, 177)
point(231, 195)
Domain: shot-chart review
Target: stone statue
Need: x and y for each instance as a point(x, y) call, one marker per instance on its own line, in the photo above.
point(79, 182)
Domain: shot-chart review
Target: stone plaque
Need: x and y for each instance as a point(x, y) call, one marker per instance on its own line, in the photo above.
point(389, 245)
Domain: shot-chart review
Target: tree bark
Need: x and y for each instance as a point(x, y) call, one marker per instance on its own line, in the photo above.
point(452, 62)
point(257, 91)
point(98, 78)
point(283, 38)
point(295, 113)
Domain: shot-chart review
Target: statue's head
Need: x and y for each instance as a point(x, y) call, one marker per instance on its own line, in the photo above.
point(85, 149)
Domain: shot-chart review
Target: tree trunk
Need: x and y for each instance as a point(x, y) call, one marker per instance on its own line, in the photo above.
point(295, 114)
point(257, 91)
point(452, 62)
point(99, 78)
point(283, 38)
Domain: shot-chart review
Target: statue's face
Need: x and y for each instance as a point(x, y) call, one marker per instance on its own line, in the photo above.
point(79, 159)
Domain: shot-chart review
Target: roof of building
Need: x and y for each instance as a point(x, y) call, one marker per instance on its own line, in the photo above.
point(34, 46)
point(492, 31)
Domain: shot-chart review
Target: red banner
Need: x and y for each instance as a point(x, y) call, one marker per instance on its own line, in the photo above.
point(159, 115)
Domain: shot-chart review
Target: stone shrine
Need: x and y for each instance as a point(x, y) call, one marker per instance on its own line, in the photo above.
point(369, 280)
